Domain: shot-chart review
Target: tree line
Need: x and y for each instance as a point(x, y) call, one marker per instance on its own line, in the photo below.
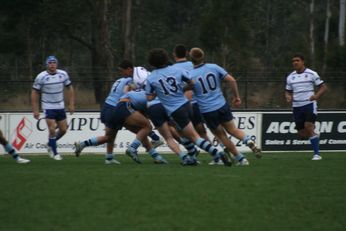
point(92, 37)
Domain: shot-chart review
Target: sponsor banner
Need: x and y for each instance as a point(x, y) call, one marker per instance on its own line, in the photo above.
point(279, 133)
point(29, 135)
point(249, 122)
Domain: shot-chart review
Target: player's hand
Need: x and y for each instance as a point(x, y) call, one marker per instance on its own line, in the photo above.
point(236, 102)
point(36, 115)
point(313, 97)
point(71, 109)
point(289, 99)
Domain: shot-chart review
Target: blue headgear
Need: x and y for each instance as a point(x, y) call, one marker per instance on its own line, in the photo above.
point(51, 58)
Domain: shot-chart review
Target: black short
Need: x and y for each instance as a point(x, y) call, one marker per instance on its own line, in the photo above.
point(55, 114)
point(183, 115)
point(307, 113)
point(114, 117)
point(214, 118)
point(196, 114)
point(157, 114)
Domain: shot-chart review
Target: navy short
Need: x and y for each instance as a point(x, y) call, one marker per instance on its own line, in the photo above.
point(157, 114)
point(214, 118)
point(183, 115)
point(196, 114)
point(55, 114)
point(307, 113)
point(114, 117)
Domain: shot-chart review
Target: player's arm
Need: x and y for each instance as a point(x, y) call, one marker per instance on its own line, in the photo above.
point(321, 90)
point(188, 89)
point(150, 92)
point(71, 99)
point(288, 96)
point(232, 83)
point(151, 96)
point(35, 96)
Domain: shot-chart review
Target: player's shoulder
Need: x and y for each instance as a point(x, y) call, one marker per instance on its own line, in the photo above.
point(290, 75)
point(42, 75)
point(62, 72)
point(311, 72)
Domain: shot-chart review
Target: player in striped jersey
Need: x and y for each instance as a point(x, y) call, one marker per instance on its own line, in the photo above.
point(50, 85)
point(300, 92)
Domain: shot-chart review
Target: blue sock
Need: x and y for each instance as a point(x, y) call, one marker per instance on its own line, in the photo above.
point(182, 155)
point(315, 141)
point(10, 150)
point(246, 139)
point(135, 144)
point(109, 156)
point(153, 153)
point(189, 146)
point(206, 146)
point(239, 157)
point(153, 136)
point(52, 145)
point(90, 142)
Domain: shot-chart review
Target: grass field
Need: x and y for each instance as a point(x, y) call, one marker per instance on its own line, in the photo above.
point(282, 191)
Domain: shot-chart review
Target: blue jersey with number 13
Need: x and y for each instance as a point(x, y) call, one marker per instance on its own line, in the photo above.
point(167, 84)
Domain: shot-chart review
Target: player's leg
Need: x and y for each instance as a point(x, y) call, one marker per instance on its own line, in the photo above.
point(52, 144)
point(309, 127)
point(11, 151)
point(109, 158)
point(305, 118)
point(182, 118)
point(160, 119)
point(112, 125)
point(232, 129)
point(147, 145)
point(62, 127)
point(226, 119)
point(108, 137)
point(188, 145)
point(221, 135)
point(198, 122)
point(137, 120)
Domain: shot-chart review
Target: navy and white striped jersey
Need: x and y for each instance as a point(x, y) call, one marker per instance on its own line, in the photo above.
point(51, 87)
point(302, 85)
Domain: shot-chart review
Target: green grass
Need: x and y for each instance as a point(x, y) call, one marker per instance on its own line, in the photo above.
point(282, 191)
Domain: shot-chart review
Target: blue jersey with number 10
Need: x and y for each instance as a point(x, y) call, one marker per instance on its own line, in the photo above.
point(167, 84)
point(207, 78)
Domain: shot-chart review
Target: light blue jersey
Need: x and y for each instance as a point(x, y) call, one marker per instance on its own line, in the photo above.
point(186, 65)
point(207, 89)
point(118, 90)
point(138, 99)
point(167, 84)
point(153, 102)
